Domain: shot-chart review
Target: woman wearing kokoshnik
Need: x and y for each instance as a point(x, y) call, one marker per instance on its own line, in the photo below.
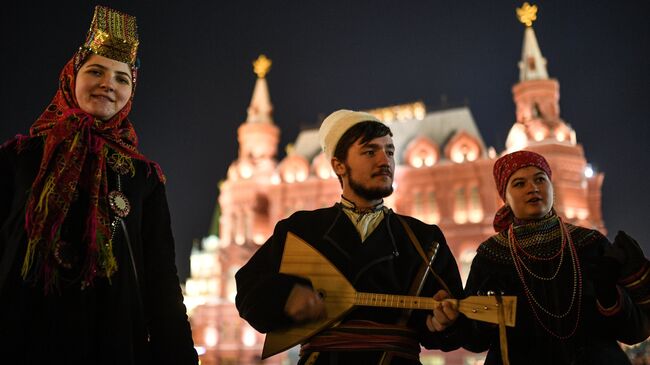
point(87, 270)
point(577, 293)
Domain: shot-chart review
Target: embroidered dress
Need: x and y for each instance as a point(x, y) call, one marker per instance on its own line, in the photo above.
point(103, 323)
point(546, 264)
point(76, 149)
point(87, 271)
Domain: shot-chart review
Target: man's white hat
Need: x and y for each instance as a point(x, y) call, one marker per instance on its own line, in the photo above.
point(336, 124)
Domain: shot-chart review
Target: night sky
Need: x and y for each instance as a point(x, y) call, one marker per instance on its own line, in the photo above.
point(196, 79)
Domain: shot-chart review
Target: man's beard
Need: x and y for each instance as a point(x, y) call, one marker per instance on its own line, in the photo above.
point(367, 193)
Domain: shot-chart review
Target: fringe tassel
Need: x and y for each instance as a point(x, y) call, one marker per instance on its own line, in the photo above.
point(29, 257)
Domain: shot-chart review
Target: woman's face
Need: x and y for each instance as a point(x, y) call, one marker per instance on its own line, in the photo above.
point(529, 193)
point(103, 86)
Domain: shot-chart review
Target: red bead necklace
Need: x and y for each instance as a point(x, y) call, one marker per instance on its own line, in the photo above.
point(520, 267)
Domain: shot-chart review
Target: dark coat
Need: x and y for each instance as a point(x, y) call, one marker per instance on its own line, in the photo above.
point(594, 340)
point(371, 266)
point(124, 321)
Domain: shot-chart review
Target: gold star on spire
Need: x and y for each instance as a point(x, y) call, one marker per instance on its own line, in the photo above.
point(527, 14)
point(290, 149)
point(261, 66)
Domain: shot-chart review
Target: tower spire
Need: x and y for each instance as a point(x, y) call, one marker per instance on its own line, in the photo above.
point(532, 65)
point(536, 95)
point(260, 109)
point(258, 136)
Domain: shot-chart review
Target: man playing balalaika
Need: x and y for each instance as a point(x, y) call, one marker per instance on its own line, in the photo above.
point(373, 248)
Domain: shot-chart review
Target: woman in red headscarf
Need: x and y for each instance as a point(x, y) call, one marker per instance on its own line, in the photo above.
point(570, 308)
point(87, 271)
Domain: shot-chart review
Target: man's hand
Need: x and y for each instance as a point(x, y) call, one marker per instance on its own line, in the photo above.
point(304, 304)
point(444, 314)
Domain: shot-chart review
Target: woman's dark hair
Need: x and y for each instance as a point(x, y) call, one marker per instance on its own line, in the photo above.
point(365, 130)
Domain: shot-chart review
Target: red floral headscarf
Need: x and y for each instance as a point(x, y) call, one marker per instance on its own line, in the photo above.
point(74, 154)
point(504, 167)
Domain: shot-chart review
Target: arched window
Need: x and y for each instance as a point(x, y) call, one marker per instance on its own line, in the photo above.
point(460, 206)
point(293, 168)
point(433, 210)
point(467, 204)
point(475, 209)
point(463, 147)
point(418, 206)
point(421, 152)
point(465, 260)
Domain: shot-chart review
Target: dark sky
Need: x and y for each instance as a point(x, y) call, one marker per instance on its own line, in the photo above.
point(196, 78)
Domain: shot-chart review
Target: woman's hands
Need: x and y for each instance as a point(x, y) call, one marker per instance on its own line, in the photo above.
point(628, 252)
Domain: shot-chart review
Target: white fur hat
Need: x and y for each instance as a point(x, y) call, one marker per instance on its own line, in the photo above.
point(336, 124)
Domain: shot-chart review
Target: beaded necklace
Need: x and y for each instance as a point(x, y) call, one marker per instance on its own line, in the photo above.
point(521, 269)
point(516, 247)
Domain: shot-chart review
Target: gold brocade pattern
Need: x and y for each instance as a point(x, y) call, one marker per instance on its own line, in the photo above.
point(113, 34)
point(121, 164)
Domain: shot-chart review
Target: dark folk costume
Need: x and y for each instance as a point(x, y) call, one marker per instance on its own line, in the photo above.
point(569, 308)
point(385, 262)
point(558, 319)
point(87, 271)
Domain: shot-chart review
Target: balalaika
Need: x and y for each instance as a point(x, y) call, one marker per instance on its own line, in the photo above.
point(340, 297)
